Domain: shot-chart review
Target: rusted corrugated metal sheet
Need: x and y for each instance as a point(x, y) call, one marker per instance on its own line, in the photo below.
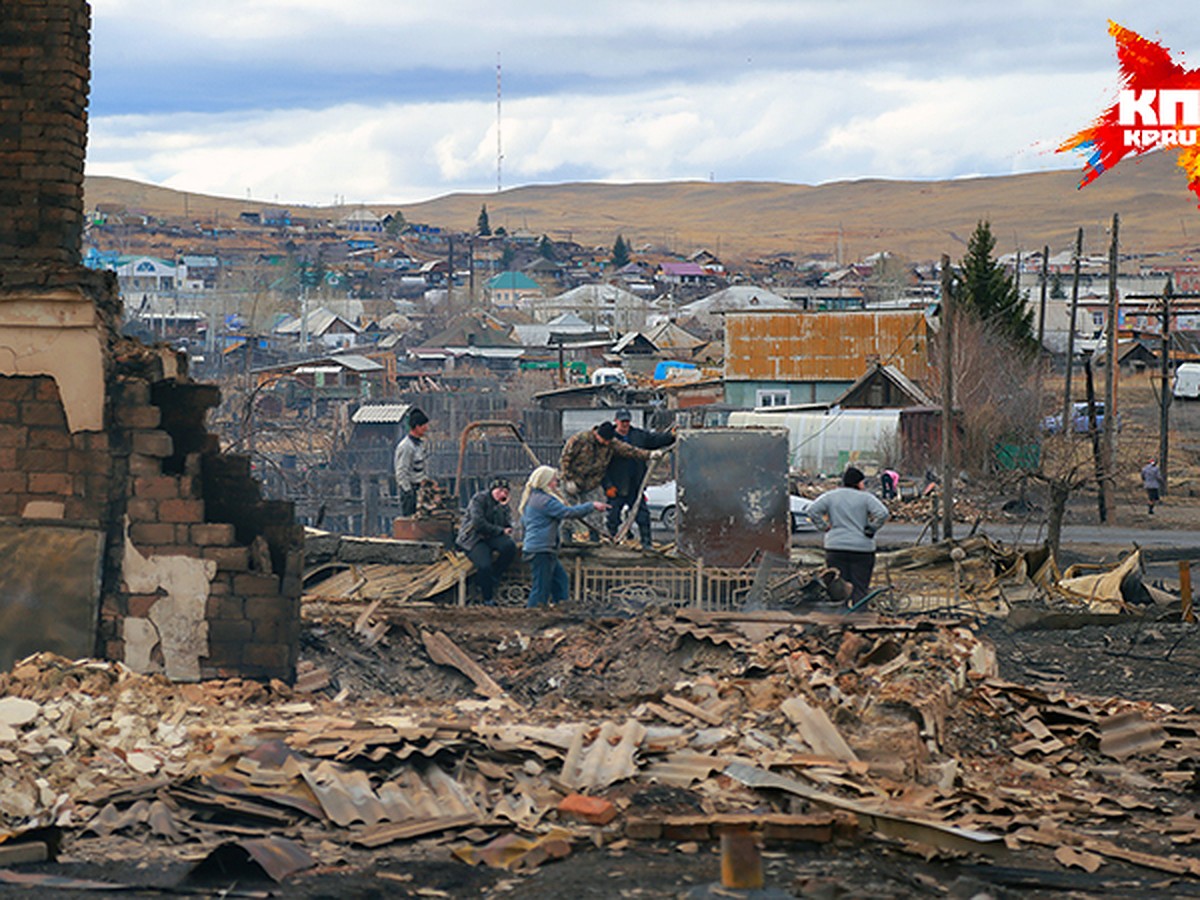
point(822, 346)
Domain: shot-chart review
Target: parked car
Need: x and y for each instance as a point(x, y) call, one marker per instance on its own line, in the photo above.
point(1079, 419)
point(660, 500)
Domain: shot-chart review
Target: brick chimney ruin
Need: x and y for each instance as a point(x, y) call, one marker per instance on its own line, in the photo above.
point(124, 532)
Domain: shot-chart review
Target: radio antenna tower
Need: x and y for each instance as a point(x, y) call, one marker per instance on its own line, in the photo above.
point(499, 151)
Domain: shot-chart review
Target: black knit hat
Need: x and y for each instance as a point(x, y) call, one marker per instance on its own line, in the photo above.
point(416, 418)
point(498, 482)
point(852, 477)
point(606, 430)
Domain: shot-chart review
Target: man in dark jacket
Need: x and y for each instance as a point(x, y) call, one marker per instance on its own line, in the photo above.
point(624, 475)
point(486, 530)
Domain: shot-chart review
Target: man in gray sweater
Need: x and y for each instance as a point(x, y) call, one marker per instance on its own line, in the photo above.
point(850, 516)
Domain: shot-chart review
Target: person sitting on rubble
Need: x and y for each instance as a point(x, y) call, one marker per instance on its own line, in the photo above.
point(623, 478)
point(485, 535)
point(585, 458)
point(542, 510)
point(850, 516)
point(409, 461)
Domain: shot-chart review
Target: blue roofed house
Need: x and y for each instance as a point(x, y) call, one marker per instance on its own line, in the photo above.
point(508, 289)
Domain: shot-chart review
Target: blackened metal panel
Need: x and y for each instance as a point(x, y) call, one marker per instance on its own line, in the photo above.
point(732, 494)
point(49, 591)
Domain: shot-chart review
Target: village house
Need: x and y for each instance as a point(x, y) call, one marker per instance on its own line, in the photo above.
point(788, 358)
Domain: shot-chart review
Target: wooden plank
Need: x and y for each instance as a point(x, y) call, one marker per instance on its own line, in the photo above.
point(445, 652)
point(692, 709)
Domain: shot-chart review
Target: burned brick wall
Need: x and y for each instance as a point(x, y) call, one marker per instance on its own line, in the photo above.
point(123, 529)
point(43, 134)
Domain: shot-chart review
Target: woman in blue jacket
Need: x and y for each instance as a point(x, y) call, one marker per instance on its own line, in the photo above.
point(541, 512)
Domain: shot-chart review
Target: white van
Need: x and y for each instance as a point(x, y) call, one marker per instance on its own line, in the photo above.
point(1187, 381)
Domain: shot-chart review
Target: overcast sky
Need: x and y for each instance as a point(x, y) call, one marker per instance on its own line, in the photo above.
point(317, 101)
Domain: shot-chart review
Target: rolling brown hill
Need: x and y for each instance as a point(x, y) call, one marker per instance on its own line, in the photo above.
point(743, 220)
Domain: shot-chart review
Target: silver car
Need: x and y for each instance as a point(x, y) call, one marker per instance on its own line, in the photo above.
point(660, 501)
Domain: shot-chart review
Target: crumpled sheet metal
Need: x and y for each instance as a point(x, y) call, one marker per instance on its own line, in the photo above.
point(609, 758)
point(513, 852)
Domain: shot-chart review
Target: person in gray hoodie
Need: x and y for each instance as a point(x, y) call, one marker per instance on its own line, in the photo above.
point(850, 516)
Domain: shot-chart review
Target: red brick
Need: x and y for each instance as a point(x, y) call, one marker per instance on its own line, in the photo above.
point(145, 467)
point(42, 460)
point(13, 436)
point(255, 585)
point(229, 559)
point(151, 534)
point(48, 439)
point(50, 483)
point(140, 604)
point(47, 414)
point(213, 534)
point(46, 390)
point(13, 482)
point(187, 511)
point(142, 510)
point(87, 463)
point(217, 607)
point(153, 443)
point(268, 656)
point(138, 416)
point(156, 487)
point(229, 631)
point(595, 810)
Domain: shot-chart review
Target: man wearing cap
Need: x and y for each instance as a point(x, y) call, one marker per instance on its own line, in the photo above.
point(409, 461)
point(850, 516)
point(485, 535)
point(585, 458)
point(623, 478)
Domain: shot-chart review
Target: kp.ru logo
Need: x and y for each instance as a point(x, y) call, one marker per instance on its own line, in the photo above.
point(1158, 107)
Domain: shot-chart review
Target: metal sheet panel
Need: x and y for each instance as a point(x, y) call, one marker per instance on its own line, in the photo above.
point(49, 590)
point(822, 346)
point(732, 494)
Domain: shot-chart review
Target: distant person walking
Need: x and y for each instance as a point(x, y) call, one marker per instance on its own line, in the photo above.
point(542, 510)
point(889, 483)
point(408, 463)
point(850, 516)
point(1152, 481)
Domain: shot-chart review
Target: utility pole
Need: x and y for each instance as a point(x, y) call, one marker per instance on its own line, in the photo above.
point(1164, 410)
point(1042, 306)
point(947, 400)
point(1110, 382)
point(1066, 412)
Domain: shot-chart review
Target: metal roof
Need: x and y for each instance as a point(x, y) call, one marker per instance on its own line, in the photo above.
point(381, 413)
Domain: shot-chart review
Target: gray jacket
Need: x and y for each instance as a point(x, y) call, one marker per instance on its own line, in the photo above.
point(849, 517)
point(409, 463)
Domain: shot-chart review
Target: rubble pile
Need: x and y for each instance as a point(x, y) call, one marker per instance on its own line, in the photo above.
point(811, 727)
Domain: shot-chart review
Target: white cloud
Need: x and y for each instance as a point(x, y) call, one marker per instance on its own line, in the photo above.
point(786, 90)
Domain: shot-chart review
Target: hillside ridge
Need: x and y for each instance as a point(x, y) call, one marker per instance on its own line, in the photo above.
point(744, 220)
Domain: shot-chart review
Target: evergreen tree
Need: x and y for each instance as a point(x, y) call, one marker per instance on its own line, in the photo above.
point(985, 290)
point(620, 253)
point(482, 226)
point(507, 255)
point(395, 224)
point(546, 249)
